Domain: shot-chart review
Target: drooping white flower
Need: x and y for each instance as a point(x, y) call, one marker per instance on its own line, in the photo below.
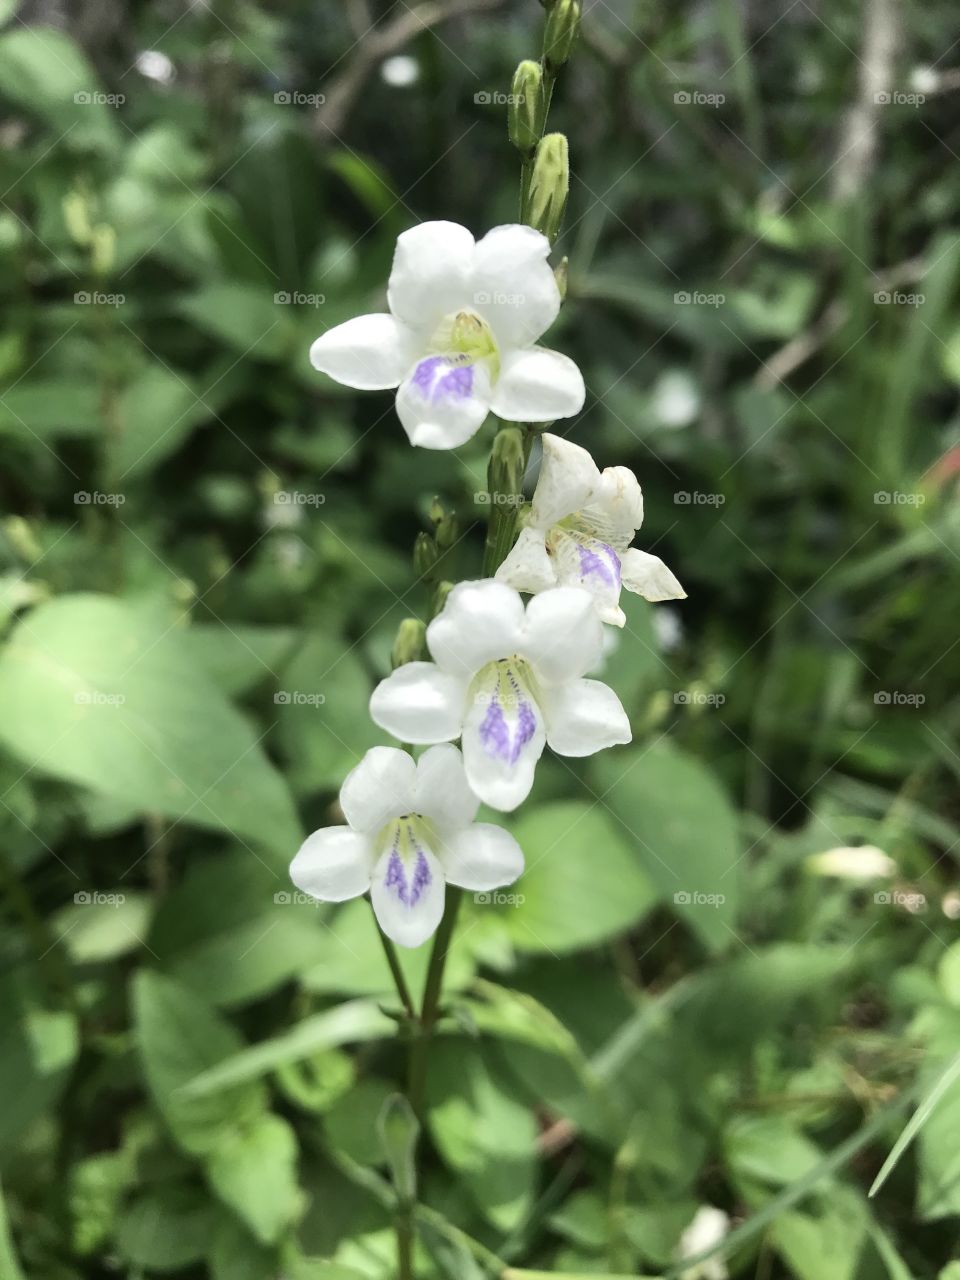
point(506, 680)
point(578, 530)
point(708, 1228)
point(459, 339)
point(410, 829)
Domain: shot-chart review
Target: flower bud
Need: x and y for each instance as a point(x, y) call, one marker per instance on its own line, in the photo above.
point(448, 530)
point(426, 553)
point(525, 107)
point(440, 597)
point(399, 1131)
point(437, 511)
point(560, 275)
point(505, 472)
point(563, 23)
point(549, 185)
point(408, 645)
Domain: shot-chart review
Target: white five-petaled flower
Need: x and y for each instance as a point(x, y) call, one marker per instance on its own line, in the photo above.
point(506, 680)
point(410, 830)
point(578, 531)
point(459, 339)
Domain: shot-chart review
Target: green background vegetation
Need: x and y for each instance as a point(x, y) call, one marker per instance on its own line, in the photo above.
point(612, 1057)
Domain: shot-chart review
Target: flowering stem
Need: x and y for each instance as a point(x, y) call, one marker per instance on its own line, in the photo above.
point(393, 960)
point(430, 1010)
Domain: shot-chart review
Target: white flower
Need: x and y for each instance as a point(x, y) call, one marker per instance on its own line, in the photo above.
point(578, 531)
point(853, 862)
point(410, 829)
point(506, 680)
point(707, 1229)
point(458, 341)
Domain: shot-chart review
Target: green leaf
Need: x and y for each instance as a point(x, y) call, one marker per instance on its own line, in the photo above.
point(179, 1036)
point(253, 1170)
point(102, 926)
point(245, 317)
point(583, 883)
point(355, 1022)
point(9, 1266)
point(482, 1133)
point(156, 412)
point(682, 830)
point(46, 75)
point(100, 692)
point(166, 1229)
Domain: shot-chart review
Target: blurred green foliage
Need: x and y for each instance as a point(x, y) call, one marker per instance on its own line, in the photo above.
point(205, 555)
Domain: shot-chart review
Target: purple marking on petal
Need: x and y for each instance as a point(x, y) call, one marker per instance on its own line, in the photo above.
point(396, 878)
point(603, 563)
point(456, 383)
point(495, 730)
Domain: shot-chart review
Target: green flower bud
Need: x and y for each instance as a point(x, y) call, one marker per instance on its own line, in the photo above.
point(437, 511)
point(426, 553)
point(525, 107)
point(408, 645)
point(399, 1131)
point(560, 275)
point(505, 472)
point(549, 185)
point(440, 597)
point(563, 23)
point(448, 530)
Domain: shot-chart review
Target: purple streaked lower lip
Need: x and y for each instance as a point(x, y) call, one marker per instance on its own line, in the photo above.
point(500, 737)
point(599, 560)
point(408, 889)
point(456, 383)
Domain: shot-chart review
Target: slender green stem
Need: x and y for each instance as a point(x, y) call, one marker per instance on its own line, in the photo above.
point(405, 1242)
point(430, 1010)
point(393, 960)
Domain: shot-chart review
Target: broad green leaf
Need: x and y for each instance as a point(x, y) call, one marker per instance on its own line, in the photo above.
point(45, 74)
point(155, 414)
point(166, 1229)
point(482, 1132)
point(37, 1049)
point(354, 1022)
point(102, 925)
point(253, 1170)
point(680, 827)
point(101, 693)
point(178, 1037)
point(583, 884)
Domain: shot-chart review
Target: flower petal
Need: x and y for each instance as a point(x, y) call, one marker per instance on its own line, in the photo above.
point(615, 510)
point(333, 864)
point(431, 274)
point(503, 738)
point(370, 352)
point(419, 703)
point(514, 287)
point(442, 792)
point(444, 401)
point(563, 637)
point(537, 385)
point(480, 621)
point(649, 577)
point(482, 857)
point(568, 477)
point(528, 567)
point(379, 788)
point(584, 716)
point(586, 562)
point(408, 895)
